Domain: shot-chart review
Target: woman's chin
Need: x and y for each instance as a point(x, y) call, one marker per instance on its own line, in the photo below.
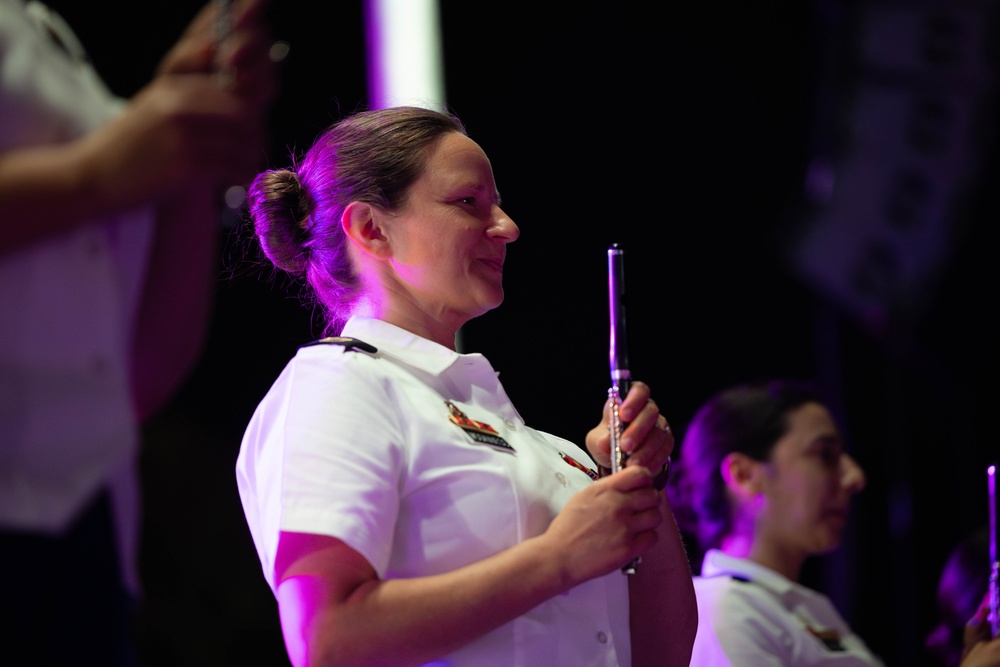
point(830, 539)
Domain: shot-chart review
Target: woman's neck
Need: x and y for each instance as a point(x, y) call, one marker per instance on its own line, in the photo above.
point(415, 321)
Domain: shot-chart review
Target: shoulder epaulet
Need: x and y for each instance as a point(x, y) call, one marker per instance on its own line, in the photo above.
point(349, 344)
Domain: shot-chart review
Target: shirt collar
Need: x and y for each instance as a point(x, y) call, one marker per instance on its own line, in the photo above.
point(407, 347)
point(717, 563)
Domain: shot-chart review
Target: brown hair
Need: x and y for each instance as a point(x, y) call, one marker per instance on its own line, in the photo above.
point(369, 156)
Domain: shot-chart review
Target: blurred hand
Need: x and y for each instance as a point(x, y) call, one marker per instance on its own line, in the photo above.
point(190, 127)
point(183, 139)
point(980, 649)
point(244, 55)
point(179, 130)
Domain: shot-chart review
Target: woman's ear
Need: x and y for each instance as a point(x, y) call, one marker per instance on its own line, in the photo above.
point(362, 224)
point(741, 474)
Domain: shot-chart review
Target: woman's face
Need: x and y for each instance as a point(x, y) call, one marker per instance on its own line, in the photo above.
point(808, 484)
point(450, 238)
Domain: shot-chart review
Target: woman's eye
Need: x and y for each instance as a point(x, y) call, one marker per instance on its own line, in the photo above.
point(830, 456)
point(471, 201)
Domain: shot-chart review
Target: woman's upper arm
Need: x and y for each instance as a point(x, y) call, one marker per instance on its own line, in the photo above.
point(315, 576)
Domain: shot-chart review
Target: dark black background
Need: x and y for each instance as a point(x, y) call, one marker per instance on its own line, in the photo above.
point(683, 133)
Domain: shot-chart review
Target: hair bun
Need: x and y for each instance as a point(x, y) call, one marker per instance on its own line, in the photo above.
point(280, 208)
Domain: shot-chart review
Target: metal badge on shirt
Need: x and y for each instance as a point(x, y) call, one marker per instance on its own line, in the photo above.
point(478, 431)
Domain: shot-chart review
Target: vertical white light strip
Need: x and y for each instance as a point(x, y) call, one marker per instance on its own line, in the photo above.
point(405, 58)
point(405, 61)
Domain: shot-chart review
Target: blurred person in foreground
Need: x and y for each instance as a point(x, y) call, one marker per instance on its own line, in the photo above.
point(109, 246)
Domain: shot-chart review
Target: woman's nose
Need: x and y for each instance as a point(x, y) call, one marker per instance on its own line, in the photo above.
point(503, 226)
point(852, 474)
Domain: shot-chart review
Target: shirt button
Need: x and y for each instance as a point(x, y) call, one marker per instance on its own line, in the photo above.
point(509, 423)
point(561, 477)
point(601, 637)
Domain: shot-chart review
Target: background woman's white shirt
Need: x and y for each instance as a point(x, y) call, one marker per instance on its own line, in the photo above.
point(751, 616)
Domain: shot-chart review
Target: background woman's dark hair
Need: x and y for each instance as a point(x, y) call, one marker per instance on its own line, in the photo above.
point(748, 418)
point(370, 156)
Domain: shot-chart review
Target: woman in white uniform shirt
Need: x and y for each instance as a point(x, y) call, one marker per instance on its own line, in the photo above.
point(762, 483)
point(403, 512)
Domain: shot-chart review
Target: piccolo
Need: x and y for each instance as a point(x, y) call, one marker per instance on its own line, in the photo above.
point(994, 593)
point(621, 377)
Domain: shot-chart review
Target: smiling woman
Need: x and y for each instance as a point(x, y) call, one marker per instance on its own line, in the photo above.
point(402, 510)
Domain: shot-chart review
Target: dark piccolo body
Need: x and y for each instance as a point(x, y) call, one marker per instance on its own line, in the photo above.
point(621, 377)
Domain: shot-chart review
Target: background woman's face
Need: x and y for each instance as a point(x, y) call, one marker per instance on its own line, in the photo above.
point(809, 483)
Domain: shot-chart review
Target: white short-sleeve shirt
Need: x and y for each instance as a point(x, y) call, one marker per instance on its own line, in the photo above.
point(415, 457)
point(751, 616)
